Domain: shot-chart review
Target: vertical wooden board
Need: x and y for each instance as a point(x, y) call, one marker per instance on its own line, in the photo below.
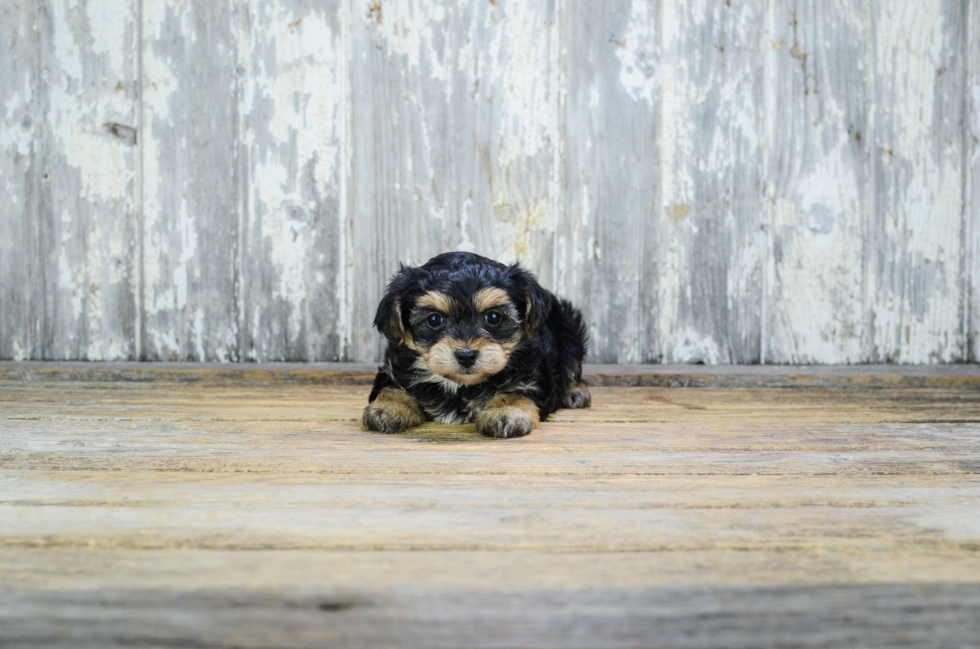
point(972, 157)
point(19, 84)
point(191, 198)
point(453, 140)
point(818, 180)
point(85, 289)
point(293, 93)
point(710, 230)
point(916, 229)
point(400, 196)
point(611, 171)
point(504, 131)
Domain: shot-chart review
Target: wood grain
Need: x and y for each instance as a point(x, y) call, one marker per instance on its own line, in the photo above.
point(610, 179)
point(710, 232)
point(972, 165)
point(819, 181)
point(505, 136)
point(292, 97)
point(87, 216)
point(812, 616)
point(660, 375)
point(400, 163)
point(69, 179)
point(453, 136)
point(20, 178)
point(719, 182)
point(917, 220)
point(228, 514)
point(192, 201)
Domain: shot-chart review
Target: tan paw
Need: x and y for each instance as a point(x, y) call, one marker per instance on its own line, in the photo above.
point(577, 398)
point(392, 412)
point(507, 416)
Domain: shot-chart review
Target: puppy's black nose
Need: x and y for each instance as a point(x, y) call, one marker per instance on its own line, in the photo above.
point(466, 356)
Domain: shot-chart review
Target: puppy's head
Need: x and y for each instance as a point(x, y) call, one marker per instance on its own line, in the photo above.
point(464, 314)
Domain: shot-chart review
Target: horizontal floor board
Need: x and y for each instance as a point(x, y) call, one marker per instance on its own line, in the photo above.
point(255, 512)
point(705, 376)
point(878, 615)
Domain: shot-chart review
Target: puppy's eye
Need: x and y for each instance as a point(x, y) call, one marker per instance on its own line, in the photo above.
point(492, 318)
point(434, 320)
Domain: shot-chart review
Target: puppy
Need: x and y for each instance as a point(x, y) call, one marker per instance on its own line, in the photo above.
point(470, 339)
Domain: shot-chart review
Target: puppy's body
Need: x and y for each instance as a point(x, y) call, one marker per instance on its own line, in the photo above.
point(471, 339)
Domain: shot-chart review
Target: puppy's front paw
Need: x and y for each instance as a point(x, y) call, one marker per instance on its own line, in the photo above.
point(504, 423)
point(579, 397)
point(392, 412)
point(507, 416)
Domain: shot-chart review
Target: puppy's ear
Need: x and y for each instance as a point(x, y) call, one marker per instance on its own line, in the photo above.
point(388, 319)
point(537, 301)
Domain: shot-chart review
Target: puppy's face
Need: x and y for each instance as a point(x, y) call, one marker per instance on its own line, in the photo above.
point(462, 313)
point(464, 336)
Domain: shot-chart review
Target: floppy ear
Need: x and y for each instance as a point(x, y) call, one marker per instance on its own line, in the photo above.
point(388, 318)
point(537, 301)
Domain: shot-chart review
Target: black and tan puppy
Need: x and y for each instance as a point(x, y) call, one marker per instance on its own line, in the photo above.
point(470, 339)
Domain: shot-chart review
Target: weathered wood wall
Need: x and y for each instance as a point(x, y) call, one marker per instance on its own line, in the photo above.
point(726, 181)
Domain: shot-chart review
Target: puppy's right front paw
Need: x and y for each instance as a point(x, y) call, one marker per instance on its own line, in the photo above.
point(392, 412)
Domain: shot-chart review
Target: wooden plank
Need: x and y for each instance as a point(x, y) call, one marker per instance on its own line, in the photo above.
point(19, 178)
point(972, 154)
point(192, 201)
point(915, 273)
point(504, 135)
point(678, 376)
point(818, 181)
point(710, 231)
point(610, 176)
point(401, 170)
point(453, 139)
point(336, 574)
point(85, 298)
point(706, 517)
point(292, 103)
point(466, 513)
point(315, 429)
point(833, 617)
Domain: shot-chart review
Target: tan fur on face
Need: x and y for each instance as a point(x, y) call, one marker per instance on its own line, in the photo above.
point(488, 298)
point(392, 411)
point(435, 300)
point(507, 415)
point(441, 360)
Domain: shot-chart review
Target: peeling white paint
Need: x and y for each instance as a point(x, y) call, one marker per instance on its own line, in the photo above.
point(294, 100)
point(478, 155)
point(917, 312)
point(639, 71)
point(818, 174)
point(411, 29)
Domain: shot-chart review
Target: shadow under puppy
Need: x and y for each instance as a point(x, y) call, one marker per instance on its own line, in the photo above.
point(470, 339)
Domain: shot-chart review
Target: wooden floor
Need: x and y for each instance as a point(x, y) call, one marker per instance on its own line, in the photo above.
point(252, 511)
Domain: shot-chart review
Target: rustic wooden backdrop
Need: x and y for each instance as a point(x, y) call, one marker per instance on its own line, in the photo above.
point(727, 181)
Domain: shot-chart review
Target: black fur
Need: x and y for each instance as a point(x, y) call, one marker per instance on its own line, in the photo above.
point(545, 365)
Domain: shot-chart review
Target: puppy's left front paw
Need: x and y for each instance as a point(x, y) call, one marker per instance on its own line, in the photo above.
point(579, 397)
point(504, 424)
point(507, 416)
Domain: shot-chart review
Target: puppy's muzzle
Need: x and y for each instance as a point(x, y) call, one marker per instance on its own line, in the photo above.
point(466, 357)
